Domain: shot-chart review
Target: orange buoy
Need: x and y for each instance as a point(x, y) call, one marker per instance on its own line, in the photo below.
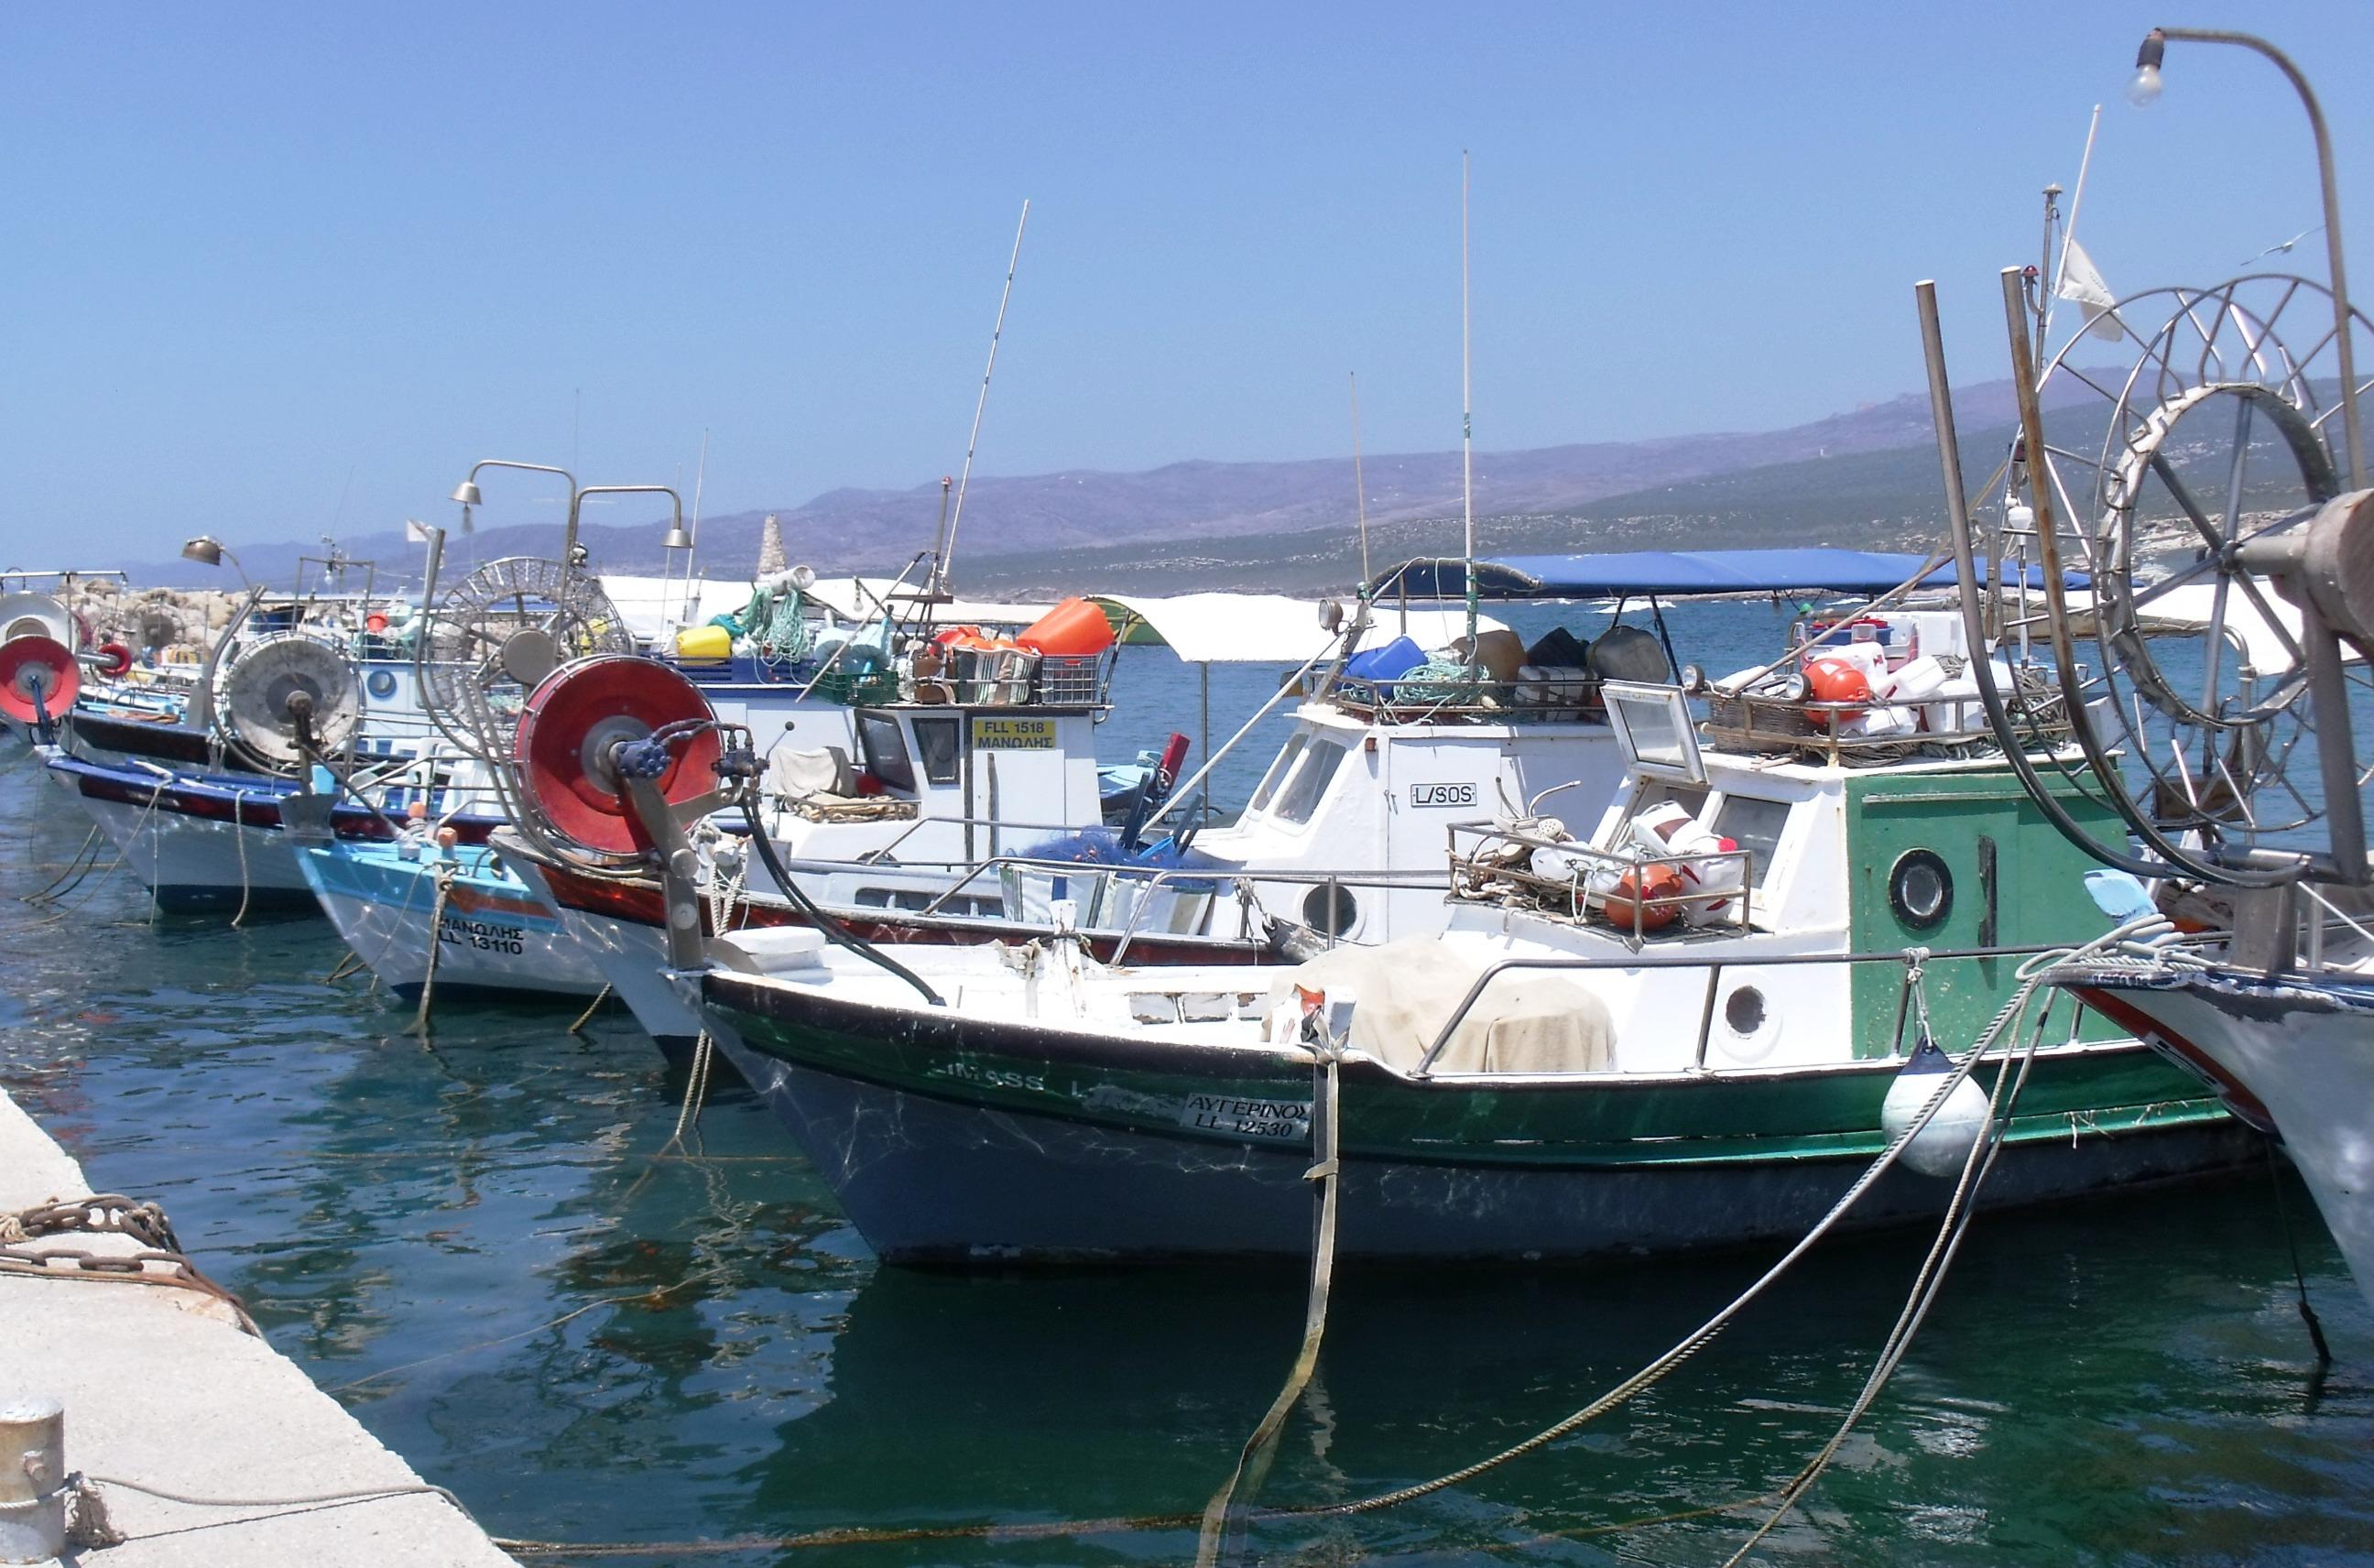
point(114, 658)
point(1072, 628)
point(1637, 888)
point(1836, 680)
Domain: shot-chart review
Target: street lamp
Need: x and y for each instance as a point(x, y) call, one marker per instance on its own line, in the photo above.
point(466, 493)
point(207, 550)
point(2145, 89)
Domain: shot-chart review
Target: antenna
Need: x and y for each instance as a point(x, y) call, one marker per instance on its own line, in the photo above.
point(947, 541)
point(2069, 228)
point(1466, 419)
point(699, 478)
point(1359, 485)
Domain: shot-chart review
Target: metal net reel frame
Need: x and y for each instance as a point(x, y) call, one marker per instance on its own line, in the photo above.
point(250, 711)
point(2200, 753)
point(496, 634)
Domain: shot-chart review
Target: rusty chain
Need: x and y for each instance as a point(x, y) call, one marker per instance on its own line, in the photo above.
point(159, 1261)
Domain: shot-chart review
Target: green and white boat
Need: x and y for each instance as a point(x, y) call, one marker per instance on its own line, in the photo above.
point(1679, 1029)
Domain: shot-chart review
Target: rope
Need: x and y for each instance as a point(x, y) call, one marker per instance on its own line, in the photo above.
point(73, 861)
point(1927, 1281)
point(2291, 1242)
point(347, 965)
point(1220, 1515)
point(239, 837)
point(599, 998)
point(436, 941)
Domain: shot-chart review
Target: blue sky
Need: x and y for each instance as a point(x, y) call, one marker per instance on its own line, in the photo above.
point(270, 272)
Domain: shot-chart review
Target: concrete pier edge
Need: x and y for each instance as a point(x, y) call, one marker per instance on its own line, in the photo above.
point(162, 1387)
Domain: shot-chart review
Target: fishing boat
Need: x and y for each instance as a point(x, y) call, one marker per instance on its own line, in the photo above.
point(1612, 1048)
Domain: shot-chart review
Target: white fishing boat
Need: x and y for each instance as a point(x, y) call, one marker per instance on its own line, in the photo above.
point(1682, 1027)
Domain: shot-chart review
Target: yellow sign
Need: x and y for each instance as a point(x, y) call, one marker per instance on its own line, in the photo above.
point(1012, 735)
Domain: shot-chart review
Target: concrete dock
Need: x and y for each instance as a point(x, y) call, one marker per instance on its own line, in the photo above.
point(162, 1387)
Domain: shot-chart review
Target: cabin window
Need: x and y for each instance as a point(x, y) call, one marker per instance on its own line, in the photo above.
point(940, 746)
point(886, 750)
point(1754, 826)
point(1278, 771)
point(1301, 797)
point(1921, 890)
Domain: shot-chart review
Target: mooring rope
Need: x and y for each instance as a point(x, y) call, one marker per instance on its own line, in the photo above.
point(591, 1009)
point(239, 837)
point(1221, 1517)
point(436, 940)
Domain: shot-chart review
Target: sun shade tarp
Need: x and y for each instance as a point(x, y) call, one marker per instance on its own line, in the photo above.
point(1641, 572)
point(1261, 628)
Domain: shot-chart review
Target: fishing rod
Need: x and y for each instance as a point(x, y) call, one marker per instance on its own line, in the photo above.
point(948, 540)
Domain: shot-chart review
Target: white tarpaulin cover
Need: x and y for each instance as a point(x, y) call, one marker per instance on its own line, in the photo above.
point(655, 607)
point(1270, 627)
point(1526, 1020)
point(2189, 608)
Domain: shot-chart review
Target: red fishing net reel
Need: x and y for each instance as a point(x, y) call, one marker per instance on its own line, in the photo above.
point(39, 679)
point(588, 724)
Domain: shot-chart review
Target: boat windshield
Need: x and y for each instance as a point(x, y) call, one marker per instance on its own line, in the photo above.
point(1296, 802)
point(1278, 770)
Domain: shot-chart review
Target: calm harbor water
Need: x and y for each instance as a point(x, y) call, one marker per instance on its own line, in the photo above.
point(470, 1242)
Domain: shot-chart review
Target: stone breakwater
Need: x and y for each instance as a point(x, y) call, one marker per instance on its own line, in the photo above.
point(178, 623)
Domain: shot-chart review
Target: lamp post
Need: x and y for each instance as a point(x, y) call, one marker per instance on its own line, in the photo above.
point(207, 550)
point(677, 539)
point(466, 493)
point(2145, 90)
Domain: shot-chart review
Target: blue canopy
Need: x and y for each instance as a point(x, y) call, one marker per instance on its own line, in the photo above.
point(1674, 572)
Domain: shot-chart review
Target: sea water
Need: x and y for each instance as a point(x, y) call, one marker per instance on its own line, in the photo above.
point(473, 1242)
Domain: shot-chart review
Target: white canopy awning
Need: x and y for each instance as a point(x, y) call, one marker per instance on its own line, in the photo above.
point(1267, 628)
point(655, 607)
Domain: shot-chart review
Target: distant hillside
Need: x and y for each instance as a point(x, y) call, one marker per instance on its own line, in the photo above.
point(1200, 512)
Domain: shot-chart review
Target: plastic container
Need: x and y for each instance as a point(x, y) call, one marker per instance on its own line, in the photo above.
point(1072, 628)
point(1387, 663)
point(1068, 680)
point(704, 643)
point(994, 678)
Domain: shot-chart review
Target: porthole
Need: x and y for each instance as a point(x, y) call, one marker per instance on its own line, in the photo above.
point(1743, 1011)
point(1921, 890)
point(382, 684)
point(1330, 910)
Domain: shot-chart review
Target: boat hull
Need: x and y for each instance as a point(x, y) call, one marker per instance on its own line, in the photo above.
point(493, 937)
point(2291, 1055)
point(955, 1140)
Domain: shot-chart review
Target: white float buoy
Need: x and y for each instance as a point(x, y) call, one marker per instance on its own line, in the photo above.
point(1942, 1146)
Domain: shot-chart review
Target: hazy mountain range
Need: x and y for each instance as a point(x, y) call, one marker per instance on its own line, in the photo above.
point(1868, 477)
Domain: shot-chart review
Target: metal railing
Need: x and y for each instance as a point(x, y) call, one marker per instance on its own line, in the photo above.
point(1715, 966)
point(1472, 876)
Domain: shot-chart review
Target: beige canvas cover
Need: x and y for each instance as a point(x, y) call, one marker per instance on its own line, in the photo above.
point(1526, 1020)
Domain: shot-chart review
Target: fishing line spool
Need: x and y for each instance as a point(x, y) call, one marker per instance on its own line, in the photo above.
point(583, 720)
point(39, 679)
point(262, 693)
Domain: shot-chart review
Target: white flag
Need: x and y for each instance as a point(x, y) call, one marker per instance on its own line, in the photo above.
point(2081, 284)
point(415, 531)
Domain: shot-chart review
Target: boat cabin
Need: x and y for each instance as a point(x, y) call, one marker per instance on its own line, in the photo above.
point(1764, 831)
